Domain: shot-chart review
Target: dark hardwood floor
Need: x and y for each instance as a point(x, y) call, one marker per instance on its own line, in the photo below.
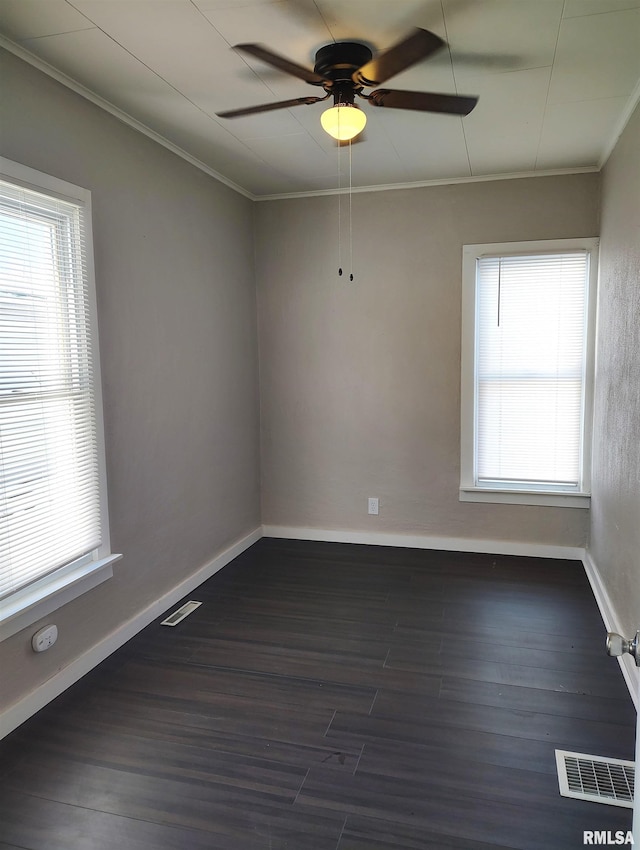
point(334, 697)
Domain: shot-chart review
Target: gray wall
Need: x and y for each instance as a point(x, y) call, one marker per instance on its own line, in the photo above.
point(615, 514)
point(176, 299)
point(360, 382)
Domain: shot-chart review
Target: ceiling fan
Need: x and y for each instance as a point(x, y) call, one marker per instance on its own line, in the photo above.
point(345, 68)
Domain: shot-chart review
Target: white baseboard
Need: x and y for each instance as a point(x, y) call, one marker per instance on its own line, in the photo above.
point(53, 687)
point(611, 622)
point(413, 541)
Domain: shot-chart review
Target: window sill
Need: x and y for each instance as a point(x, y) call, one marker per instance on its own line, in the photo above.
point(525, 497)
point(25, 607)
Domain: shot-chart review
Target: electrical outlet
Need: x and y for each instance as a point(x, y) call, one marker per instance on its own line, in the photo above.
point(373, 505)
point(44, 639)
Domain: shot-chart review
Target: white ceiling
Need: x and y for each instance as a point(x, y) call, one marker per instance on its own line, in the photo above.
point(556, 79)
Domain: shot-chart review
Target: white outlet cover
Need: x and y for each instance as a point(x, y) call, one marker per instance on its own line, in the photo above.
point(44, 638)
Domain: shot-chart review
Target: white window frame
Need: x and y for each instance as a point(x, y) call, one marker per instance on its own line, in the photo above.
point(45, 595)
point(516, 494)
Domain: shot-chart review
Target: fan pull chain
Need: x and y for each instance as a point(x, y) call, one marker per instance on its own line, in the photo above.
point(350, 220)
point(499, 287)
point(339, 219)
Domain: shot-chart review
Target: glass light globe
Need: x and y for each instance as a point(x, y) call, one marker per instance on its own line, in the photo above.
point(344, 121)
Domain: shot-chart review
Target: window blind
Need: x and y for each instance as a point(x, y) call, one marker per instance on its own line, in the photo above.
point(531, 320)
point(49, 478)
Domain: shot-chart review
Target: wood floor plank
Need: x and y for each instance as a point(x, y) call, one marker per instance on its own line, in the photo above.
point(596, 683)
point(220, 808)
point(309, 667)
point(159, 759)
point(298, 622)
point(43, 824)
point(461, 775)
point(254, 723)
point(118, 726)
point(439, 713)
point(589, 642)
point(270, 721)
point(429, 651)
point(295, 634)
point(436, 745)
point(209, 683)
point(615, 708)
point(487, 613)
point(362, 833)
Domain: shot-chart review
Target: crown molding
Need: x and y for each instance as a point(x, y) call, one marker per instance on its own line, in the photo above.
point(421, 184)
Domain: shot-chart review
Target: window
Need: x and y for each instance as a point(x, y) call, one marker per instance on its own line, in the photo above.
point(527, 372)
point(54, 541)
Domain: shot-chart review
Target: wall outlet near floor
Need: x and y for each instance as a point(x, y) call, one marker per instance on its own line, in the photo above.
point(372, 505)
point(44, 639)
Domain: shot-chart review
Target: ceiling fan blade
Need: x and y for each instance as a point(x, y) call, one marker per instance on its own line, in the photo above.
point(283, 64)
point(423, 101)
point(416, 46)
point(267, 107)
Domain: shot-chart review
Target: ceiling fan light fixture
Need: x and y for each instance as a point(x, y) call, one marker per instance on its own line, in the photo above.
point(343, 121)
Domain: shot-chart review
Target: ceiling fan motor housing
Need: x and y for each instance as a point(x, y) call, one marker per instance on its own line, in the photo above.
point(338, 61)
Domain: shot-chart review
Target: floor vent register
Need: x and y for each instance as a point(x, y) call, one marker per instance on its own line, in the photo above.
point(182, 612)
point(597, 779)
